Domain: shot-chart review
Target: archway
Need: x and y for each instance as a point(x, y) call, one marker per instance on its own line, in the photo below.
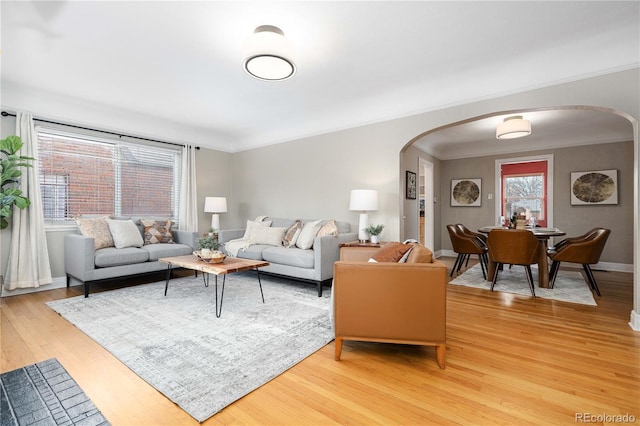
point(630, 125)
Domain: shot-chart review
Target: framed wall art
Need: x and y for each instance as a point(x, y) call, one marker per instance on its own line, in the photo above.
point(466, 192)
point(594, 187)
point(411, 185)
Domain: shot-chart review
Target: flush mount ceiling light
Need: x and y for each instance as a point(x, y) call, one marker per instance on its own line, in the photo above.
point(513, 127)
point(268, 55)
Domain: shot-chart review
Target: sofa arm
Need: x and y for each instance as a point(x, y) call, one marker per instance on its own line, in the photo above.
point(326, 250)
point(404, 302)
point(227, 235)
point(185, 237)
point(79, 256)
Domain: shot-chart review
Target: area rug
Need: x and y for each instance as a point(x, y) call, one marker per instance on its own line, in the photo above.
point(45, 394)
point(569, 286)
point(200, 362)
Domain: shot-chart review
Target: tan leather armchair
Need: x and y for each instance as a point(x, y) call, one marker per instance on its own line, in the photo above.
point(389, 302)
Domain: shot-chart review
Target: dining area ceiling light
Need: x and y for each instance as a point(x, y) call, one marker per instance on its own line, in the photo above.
point(269, 55)
point(513, 127)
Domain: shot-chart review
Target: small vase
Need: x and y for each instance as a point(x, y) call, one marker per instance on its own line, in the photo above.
point(375, 239)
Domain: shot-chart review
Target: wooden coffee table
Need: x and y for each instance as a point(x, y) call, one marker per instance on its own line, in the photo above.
point(230, 265)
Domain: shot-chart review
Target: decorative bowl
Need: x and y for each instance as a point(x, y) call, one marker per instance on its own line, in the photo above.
point(216, 257)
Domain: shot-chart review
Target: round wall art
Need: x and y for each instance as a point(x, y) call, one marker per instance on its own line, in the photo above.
point(594, 187)
point(466, 192)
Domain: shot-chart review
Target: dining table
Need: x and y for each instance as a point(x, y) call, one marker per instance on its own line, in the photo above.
point(543, 235)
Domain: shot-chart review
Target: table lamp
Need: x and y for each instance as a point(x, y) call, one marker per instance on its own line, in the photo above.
point(215, 205)
point(363, 200)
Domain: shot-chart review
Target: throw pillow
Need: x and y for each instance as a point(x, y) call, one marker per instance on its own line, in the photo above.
point(125, 233)
point(267, 235)
point(98, 229)
point(291, 235)
point(420, 254)
point(391, 252)
point(251, 224)
point(329, 228)
point(308, 234)
point(157, 231)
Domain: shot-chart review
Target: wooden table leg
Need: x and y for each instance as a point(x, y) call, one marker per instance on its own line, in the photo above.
point(491, 269)
point(543, 265)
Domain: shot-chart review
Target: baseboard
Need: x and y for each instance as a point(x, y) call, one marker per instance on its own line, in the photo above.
point(634, 323)
point(58, 282)
point(600, 266)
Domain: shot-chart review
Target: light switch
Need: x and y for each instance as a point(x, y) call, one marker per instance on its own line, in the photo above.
point(490, 196)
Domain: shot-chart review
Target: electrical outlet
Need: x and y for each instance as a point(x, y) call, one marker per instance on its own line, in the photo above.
point(490, 196)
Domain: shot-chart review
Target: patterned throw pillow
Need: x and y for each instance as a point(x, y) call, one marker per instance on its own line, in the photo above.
point(157, 231)
point(98, 229)
point(329, 228)
point(291, 235)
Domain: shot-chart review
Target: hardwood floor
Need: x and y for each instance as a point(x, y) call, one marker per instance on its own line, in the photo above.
point(510, 360)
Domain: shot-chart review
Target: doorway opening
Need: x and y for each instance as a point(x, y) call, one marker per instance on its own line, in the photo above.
point(426, 211)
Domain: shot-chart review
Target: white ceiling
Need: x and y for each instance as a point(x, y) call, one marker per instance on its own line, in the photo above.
point(358, 62)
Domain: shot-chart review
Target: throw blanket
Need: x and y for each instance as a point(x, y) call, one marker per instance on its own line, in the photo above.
point(233, 247)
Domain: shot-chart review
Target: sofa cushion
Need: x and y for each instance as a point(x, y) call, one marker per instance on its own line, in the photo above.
point(289, 256)
point(156, 251)
point(125, 233)
point(157, 231)
point(98, 229)
point(308, 234)
point(253, 252)
point(111, 256)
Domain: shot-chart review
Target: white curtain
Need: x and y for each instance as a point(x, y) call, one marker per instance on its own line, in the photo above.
point(188, 211)
point(28, 256)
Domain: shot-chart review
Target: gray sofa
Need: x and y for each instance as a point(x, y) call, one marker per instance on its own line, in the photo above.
point(312, 265)
point(85, 264)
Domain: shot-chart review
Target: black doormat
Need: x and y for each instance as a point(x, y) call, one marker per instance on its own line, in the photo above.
point(45, 394)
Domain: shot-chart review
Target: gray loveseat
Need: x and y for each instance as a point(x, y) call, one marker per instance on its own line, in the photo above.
point(82, 262)
point(312, 265)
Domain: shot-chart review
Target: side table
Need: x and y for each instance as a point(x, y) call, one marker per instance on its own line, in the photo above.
point(353, 250)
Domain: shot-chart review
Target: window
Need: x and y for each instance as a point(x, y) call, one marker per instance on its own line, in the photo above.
point(524, 190)
point(55, 195)
point(82, 175)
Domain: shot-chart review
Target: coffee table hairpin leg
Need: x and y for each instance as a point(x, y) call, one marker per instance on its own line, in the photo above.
point(205, 278)
point(224, 279)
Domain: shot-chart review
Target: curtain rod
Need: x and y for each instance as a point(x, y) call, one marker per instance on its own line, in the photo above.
point(5, 114)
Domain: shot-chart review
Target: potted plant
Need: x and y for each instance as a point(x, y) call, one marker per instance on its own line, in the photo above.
point(374, 231)
point(10, 164)
point(207, 244)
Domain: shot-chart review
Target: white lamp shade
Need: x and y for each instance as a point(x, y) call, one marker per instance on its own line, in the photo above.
point(363, 200)
point(215, 205)
point(269, 55)
point(513, 127)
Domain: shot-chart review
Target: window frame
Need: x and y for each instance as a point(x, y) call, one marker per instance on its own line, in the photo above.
point(69, 223)
point(498, 183)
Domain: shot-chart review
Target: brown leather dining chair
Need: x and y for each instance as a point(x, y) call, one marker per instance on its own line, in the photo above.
point(466, 245)
point(513, 247)
point(585, 250)
point(469, 232)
